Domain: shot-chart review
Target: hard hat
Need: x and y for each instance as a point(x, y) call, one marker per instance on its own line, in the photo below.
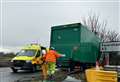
point(43, 51)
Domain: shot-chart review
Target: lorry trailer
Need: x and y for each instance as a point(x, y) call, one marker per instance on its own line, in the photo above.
point(79, 44)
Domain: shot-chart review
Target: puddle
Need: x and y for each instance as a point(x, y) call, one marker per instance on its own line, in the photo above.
point(71, 79)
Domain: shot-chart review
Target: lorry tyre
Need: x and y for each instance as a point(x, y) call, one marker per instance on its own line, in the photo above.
point(83, 67)
point(14, 70)
point(71, 65)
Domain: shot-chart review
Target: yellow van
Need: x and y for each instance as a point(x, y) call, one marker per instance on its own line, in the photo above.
point(28, 58)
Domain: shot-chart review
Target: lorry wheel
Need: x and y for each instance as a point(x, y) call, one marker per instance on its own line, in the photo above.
point(83, 67)
point(14, 70)
point(71, 65)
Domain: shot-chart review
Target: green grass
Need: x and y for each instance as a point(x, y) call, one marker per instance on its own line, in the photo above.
point(5, 58)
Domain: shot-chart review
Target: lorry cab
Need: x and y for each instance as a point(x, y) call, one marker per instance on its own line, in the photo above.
point(28, 58)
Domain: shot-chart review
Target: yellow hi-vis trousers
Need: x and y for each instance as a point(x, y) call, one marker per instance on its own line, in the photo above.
point(48, 69)
point(51, 68)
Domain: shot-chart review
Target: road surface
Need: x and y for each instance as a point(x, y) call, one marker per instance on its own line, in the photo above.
point(6, 75)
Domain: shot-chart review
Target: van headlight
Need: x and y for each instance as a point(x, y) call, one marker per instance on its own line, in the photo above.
point(28, 61)
point(11, 60)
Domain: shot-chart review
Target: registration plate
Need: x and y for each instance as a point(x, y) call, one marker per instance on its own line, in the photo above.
point(17, 67)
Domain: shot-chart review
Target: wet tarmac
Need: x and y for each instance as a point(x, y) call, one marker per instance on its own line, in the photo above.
point(6, 75)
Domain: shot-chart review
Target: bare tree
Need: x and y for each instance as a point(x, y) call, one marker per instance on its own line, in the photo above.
point(99, 28)
point(103, 34)
point(113, 36)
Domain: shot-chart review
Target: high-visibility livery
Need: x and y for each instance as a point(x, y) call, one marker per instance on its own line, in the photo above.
point(29, 58)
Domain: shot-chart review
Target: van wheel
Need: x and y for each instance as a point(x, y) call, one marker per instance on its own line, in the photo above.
point(14, 70)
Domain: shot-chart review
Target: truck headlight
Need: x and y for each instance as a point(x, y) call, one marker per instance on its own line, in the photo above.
point(28, 61)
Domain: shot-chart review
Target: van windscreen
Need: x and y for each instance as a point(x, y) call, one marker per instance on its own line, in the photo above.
point(26, 53)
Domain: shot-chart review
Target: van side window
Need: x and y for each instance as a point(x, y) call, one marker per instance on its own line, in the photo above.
point(38, 53)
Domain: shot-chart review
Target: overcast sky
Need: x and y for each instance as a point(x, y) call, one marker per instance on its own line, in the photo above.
point(26, 21)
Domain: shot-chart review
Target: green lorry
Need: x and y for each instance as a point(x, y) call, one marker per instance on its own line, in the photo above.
point(80, 45)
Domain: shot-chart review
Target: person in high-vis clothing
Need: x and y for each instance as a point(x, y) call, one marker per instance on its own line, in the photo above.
point(50, 59)
point(44, 65)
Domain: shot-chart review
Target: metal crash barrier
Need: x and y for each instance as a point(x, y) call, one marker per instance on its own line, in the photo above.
point(93, 75)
